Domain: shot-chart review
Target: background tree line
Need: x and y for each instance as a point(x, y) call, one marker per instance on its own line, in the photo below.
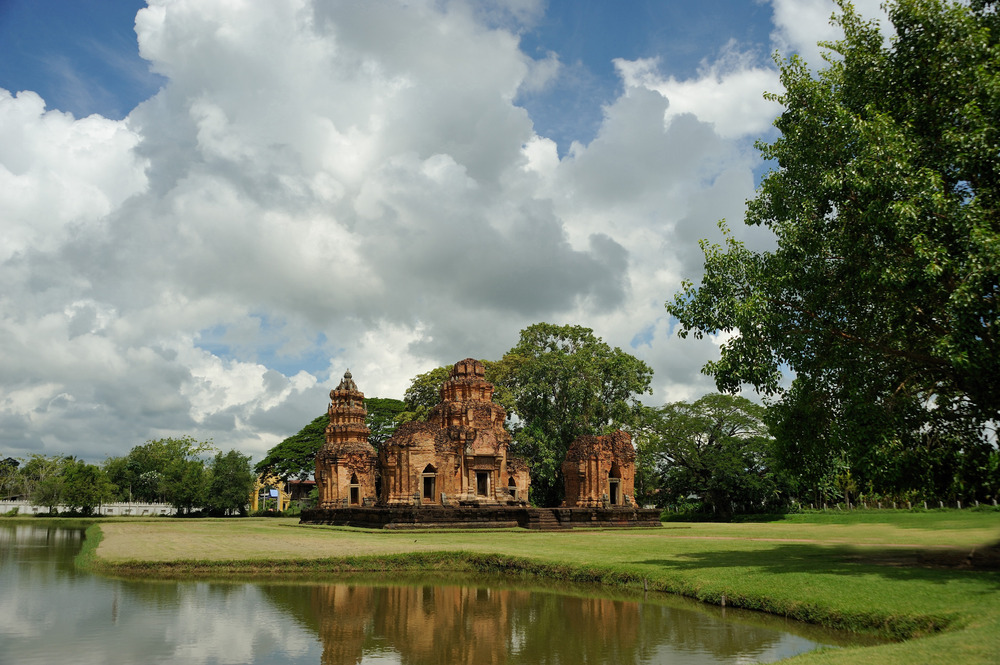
point(719, 454)
point(182, 472)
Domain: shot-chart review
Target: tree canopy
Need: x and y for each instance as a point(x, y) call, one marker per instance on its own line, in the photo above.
point(295, 457)
point(565, 382)
point(717, 449)
point(230, 484)
point(882, 295)
point(85, 487)
point(139, 474)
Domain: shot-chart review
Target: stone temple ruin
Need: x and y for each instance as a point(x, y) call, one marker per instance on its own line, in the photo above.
point(458, 455)
point(454, 470)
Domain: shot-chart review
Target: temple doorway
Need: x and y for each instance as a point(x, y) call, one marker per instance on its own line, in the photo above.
point(614, 485)
point(355, 490)
point(429, 481)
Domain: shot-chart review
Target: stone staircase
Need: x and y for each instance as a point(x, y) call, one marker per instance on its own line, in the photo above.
point(544, 519)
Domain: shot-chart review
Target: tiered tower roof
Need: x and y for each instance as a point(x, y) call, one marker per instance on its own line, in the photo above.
point(347, 431)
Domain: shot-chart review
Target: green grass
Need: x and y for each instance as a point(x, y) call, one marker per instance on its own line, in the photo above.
point(873, 572)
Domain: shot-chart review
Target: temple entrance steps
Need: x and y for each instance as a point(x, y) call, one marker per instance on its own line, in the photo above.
point(544, 519)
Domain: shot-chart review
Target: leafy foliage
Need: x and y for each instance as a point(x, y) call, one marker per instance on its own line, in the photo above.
point(565, 382)
point(295, 457)
point(718, 449)
point(85, 487)
point(382, 420)
point(184, 484)
point(10, 481)
point(42, 479)
point(139, 475)
point(231, 481)
point(882, 296)
point(424, 393)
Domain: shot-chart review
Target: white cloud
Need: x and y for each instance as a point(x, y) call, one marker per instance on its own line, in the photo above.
point(57, 171)
point(801, 24)
point(727, 93)
point(341, 185)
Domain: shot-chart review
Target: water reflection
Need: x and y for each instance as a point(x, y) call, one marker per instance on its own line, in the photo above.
point(49, 612)
point(464, 624)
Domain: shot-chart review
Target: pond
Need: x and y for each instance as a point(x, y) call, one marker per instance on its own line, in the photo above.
point(50, 612)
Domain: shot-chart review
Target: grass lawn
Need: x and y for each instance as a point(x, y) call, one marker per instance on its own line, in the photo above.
point(894, 573)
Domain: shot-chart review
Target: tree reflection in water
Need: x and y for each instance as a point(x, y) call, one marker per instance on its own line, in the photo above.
point(488, 626)
point(52, 612)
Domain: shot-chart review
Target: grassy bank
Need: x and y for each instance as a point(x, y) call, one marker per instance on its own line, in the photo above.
point(890, 574)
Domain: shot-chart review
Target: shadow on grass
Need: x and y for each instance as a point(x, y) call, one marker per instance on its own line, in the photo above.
point(935, 566)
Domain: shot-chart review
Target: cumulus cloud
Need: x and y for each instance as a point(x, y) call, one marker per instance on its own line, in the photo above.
point(322, 186)
point(726, 94)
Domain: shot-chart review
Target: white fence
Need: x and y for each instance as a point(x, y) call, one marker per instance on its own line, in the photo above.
point(134, 509)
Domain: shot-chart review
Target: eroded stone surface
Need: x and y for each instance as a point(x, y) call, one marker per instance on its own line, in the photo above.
point(600, 471)
point(345, 466)
point(459, 455)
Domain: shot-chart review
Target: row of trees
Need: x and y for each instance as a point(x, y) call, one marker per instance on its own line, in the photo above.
point(180, 471)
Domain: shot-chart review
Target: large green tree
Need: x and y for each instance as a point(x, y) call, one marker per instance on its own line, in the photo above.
point(565, 382)
point(718, 449)
point(383, 418)
point(85, 486)
point(139, 475)
point(231, 481)
point(295, 457)
point(424, 393)
point(184, 484)
point(42, 480)
point(10, 481)
point(882, 295)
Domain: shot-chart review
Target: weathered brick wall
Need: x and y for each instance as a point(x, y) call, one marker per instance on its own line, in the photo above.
point(593, 464)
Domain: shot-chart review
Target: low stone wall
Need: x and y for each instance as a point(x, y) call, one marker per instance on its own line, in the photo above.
point(607, 517)
point(419, 517)
point(110, 509)
point(468, 517)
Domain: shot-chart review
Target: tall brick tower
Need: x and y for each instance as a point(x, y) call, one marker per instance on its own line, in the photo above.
point(345, 466)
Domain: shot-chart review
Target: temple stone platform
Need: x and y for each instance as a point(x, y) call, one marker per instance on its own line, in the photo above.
point(483, 517)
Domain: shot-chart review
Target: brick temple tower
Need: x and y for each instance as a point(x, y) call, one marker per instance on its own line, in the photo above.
point(600, 471)
point(459, 455)
point(345, 466)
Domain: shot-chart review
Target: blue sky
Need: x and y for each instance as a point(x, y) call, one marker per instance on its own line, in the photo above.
point(79, 55)
point(209, 209)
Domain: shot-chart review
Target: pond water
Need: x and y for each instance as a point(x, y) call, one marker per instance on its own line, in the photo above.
point(50, 612)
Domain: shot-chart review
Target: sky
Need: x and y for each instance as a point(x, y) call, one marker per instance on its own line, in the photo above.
point(211, 209)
